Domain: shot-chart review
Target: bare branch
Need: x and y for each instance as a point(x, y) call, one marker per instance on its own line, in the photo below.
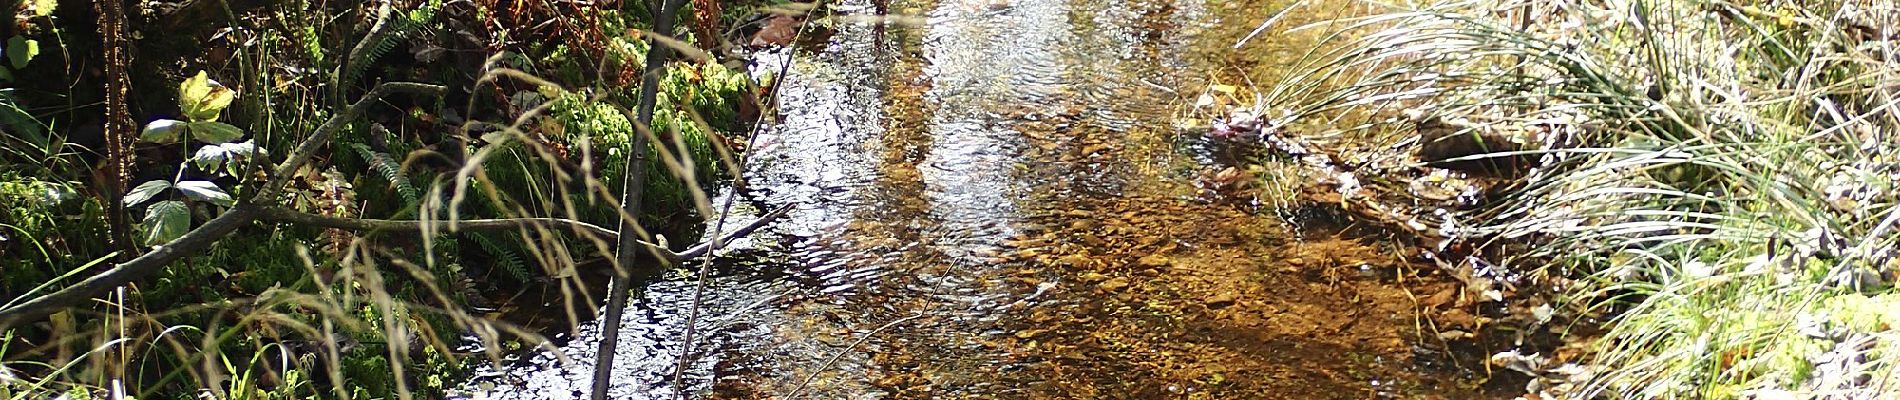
point(704, 247)
point(321, 136)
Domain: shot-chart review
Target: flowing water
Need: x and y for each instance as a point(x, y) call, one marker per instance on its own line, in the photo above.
point(995, 202)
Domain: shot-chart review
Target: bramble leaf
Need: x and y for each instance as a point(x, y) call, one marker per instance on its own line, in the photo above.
point(215, 132)
point(206, 191)
point(164, 221)
point(202, 98)
point(146, 191)
point(20, 50)
point(163, 131)
point(228, 156)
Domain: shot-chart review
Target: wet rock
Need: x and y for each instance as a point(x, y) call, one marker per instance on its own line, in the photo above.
point(1118, 283)
point(1075, 260)
point(1154, 261)
point(1441, 298)
point(1441, 141)
point(778, 31)
point(1093, 277)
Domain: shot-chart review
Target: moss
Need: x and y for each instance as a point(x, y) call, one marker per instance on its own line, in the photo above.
point(45, 231)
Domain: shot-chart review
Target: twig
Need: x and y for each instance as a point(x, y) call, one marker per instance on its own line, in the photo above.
point(840, 354)
point(321, 136)
point(707, 247)
point(205, 235)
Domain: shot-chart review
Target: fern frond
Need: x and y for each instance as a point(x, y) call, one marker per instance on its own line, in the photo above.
point(390, 30)
point(391, 171)
point(504, 257)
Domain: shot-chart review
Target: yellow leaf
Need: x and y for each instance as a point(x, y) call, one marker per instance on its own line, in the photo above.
point(1228, 89)
point(194, 89)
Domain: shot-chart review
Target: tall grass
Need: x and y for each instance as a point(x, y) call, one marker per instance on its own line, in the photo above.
point(1717, 179)
point(292, 309)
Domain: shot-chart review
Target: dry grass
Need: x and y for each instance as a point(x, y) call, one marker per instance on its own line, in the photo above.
point(1715, 178)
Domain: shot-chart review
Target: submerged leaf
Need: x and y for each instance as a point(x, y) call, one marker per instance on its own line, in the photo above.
point(206, 191)
point(164, 221)
point(146, 191)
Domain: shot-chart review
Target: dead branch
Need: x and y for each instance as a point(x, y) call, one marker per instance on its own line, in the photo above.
point(703, 247)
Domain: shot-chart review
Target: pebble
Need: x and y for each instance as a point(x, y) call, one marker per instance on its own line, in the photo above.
point(1118, 283)
point(1154, 261)
point(1075, 260)
point(1219, 300)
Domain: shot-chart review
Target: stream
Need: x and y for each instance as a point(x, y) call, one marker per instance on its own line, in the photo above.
point(996, 202)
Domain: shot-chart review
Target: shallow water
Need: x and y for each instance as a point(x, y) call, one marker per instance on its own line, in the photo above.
point(997, 204)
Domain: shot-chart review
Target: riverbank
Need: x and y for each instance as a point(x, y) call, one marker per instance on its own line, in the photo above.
point(1708, 182)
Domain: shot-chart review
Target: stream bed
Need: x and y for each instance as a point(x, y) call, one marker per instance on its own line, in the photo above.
point(995, 201)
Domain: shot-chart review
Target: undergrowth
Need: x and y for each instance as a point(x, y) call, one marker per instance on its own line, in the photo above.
point(1714, 179)
point(284, 310)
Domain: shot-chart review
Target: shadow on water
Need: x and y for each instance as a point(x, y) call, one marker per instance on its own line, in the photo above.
point(990, 205)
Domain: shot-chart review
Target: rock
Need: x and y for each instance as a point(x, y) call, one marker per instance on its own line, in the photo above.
point(1118, 283)
point(1441, 298)
point(778, 31)
point(1074, 260)
point(1154, 261)
point(1440, 141)
point(1219, 300)
point(1093, 277)
point(1454, 335)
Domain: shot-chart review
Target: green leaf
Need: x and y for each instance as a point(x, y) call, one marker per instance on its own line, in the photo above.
point(43, 8)
point(164, 221)
point(228, 156)
point(202, 98)
point(163, 131)
point(206, 191)
point(215, 132)
point(20, 50)
point(194, 89)
point(146, 191)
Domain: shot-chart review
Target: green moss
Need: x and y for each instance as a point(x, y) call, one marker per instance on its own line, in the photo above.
point(46, 230)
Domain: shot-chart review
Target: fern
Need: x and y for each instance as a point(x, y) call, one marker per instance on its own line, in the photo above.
point(390, 30)
point(391, 171)
point(504, 257)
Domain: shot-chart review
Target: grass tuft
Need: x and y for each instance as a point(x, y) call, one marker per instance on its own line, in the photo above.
point(1717, 179)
